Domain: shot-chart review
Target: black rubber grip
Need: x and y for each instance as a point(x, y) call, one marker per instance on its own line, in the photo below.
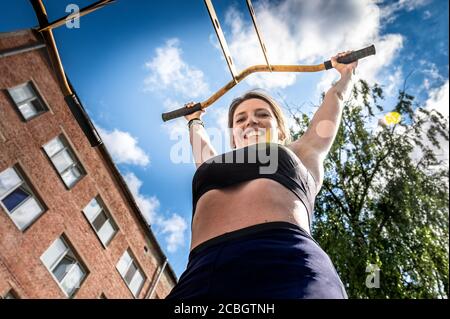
point(352, 57)
point(181, 112)
point(328, 65)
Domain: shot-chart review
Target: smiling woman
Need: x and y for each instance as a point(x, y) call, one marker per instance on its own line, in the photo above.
point(250, 229)
point(263, 108)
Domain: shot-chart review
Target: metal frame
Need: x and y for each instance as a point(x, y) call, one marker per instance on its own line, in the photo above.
point(223, 42)
point(221, 38)
point(91, 8)
point(46, 31)
point(263, 47)
point(238, 77)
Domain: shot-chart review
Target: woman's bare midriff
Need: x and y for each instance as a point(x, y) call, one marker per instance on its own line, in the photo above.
point(249, 203)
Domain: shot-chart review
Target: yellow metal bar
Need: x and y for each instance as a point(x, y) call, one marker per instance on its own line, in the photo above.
point(260, 68)
point(263, 47)
point(52, 49)
point(253, 69)
point(221, 37)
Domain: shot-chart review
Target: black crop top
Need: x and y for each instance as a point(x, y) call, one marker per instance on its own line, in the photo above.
point(262, 160)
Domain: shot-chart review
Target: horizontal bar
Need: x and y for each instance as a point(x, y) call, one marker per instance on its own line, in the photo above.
point(256, 68)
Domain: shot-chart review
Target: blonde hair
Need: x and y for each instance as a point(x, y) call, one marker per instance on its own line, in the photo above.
point(276, 109)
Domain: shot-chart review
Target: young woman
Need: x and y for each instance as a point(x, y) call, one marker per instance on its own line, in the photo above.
point(251, 230)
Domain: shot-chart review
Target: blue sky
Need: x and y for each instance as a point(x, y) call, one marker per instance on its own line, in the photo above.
point(133, 60)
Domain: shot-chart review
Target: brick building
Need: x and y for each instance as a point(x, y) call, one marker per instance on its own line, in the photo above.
point(69, 226)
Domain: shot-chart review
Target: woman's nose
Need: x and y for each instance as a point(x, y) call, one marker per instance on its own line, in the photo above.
point(252, 120)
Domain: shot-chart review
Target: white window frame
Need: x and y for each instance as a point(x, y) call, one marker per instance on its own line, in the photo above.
point(36, 97)
point(76, 162)
point(139, 269)
point(108, 215)
point(56, 263)
point(29, 188)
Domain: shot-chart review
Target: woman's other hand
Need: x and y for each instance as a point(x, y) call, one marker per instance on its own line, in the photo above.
point(195, 115)
point(342, 68)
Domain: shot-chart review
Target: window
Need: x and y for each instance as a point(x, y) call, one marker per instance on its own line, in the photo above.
point(18, 200)
point(100, 220)
point(64, 266)
point(64, 160)
point(131, 273)
point(27, 100)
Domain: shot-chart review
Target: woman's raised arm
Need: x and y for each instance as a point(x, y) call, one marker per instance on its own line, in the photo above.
point(313, 146)
point(202, 148)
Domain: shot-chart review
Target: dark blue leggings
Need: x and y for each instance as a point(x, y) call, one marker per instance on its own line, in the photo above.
point(275, 260)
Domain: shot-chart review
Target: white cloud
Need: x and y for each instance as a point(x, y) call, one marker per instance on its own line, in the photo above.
point(290, 122)
point(393, 81)
point(438, 100)
point(426, 83)
point(123, 147)
point(374, 69)
point(430, 70)
point(221, 117)
point(426, 15)
point(171, 104)
point(389, 11)
point(168, 71)
point(246, 51)
point(218, 131)
point(176, 128)
point(174, 227)
point(298, 32)
point(147, 205)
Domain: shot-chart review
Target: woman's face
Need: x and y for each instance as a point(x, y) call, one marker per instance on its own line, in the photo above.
point(254, 122)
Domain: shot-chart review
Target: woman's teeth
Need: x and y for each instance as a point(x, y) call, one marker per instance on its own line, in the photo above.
point(253, 134)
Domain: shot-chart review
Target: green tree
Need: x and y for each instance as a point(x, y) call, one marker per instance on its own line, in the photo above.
point(379, 207)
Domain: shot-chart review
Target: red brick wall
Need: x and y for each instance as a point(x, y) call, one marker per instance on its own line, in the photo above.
point(21, 143)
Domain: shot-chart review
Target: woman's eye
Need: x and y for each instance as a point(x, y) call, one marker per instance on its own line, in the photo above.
point(238, 121)
point(264, 114)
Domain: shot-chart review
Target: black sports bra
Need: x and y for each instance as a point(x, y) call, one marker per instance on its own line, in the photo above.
point(262, 160)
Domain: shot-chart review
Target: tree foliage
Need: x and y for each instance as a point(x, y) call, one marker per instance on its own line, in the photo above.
point(378, 206)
